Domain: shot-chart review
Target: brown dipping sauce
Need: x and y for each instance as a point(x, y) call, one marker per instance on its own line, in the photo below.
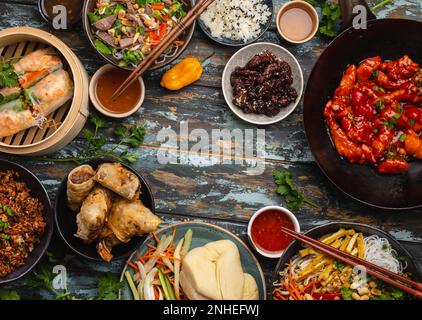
point(108, 83)
point(296, 23)
point(74, 9)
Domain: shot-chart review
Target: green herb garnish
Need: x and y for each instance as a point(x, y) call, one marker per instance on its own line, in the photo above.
point(346, 293)
point(8, 295)
point(131, 135)
point(108, 287)
point(5, 208)
point(286, 188)
point(412, 122)
point(379, 105)
point(8, 76)
point(340, 266)
point(403, 137)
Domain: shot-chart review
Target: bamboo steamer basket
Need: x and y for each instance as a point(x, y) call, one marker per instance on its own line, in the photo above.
point(64, 124)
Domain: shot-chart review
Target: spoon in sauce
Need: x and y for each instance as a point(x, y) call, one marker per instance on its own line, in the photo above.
point(297, 21)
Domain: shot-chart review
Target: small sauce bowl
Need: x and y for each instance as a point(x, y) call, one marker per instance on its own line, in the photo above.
point(297, 21)
point(96, 100)
point(273, 217)
point(74, 8)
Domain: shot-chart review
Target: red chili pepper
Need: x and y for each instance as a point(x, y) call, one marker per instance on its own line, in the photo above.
point(5, 200)
point(326, 296)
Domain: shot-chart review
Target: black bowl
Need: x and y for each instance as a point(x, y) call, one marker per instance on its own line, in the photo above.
point(187, 37)
point(67, 227)
point(239, 43)
point(44, 14)
point(38, 191)
point(361, 182)
point(332, 227)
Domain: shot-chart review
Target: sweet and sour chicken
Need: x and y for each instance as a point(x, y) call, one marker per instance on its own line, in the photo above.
point(375, 115)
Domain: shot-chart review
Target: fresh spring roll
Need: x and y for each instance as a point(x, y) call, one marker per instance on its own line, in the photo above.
point(9, 94)
point(15, 117)
point(93, 214)
point(36, 65)
point(127, 219)
point(118, 179)
point(79, 184)
point(51, 93)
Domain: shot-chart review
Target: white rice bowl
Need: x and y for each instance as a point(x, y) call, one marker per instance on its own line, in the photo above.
point(236, 19)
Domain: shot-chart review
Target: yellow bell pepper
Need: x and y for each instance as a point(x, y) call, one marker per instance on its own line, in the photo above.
point(182, 74)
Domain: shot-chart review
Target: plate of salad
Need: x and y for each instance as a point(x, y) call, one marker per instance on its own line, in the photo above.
point(181, 261)
point(125, 32)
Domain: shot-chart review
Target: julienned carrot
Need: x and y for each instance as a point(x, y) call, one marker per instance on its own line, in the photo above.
point(156, 294)
point(167, 271)
point(309, 285)
point(156, 238)
point(133, 265)
point(141, 259)
point(291, 283)
point(151, 246)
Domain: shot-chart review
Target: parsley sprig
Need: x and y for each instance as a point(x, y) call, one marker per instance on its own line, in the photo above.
point(331, 15)
point(287, 189)
point(131, 135)
point(107, 288)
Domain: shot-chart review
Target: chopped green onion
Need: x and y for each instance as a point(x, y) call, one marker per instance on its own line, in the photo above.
point(380, 105)
point(403, 137)
point(412, 122)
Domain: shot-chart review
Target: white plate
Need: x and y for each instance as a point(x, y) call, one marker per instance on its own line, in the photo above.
point(240, 58)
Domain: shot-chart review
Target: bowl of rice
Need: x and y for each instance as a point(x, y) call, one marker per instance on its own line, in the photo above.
point(236, 22)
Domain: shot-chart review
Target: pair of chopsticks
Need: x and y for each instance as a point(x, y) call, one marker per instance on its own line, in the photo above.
point(181, 26)
point(398, 281)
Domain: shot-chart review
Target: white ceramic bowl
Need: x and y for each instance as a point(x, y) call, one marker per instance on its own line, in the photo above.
point(242, 57)
point(265, 253)
point(97, 104)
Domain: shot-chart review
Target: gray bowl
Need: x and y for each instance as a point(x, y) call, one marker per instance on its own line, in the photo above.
point(242, 57)
point(239, 43)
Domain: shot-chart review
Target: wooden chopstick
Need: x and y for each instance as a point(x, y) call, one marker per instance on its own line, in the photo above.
point(361, 261)
point(372, 269)
point(181, 26)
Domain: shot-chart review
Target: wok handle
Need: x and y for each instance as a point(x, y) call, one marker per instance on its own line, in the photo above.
point(346, 8)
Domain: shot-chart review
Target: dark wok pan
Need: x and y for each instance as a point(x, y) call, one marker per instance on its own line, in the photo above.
point(390, 38)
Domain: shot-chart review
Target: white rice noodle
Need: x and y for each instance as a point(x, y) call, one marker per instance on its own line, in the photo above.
point(236, 19)
point(379, 252)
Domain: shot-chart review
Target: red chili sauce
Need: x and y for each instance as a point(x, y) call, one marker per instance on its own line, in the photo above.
point(266, 230)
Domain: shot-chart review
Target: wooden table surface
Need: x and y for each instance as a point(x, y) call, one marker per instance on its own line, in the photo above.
point(221, 194)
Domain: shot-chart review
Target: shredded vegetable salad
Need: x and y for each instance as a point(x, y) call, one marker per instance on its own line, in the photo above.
point(157, 272)
point(128, 30)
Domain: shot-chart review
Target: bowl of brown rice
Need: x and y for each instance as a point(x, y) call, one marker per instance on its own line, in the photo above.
point(26, 221)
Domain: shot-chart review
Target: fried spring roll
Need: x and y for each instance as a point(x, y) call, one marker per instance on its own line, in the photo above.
point(118, 179)
point(93, 215)
point(79, 184)
point(126, 220)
